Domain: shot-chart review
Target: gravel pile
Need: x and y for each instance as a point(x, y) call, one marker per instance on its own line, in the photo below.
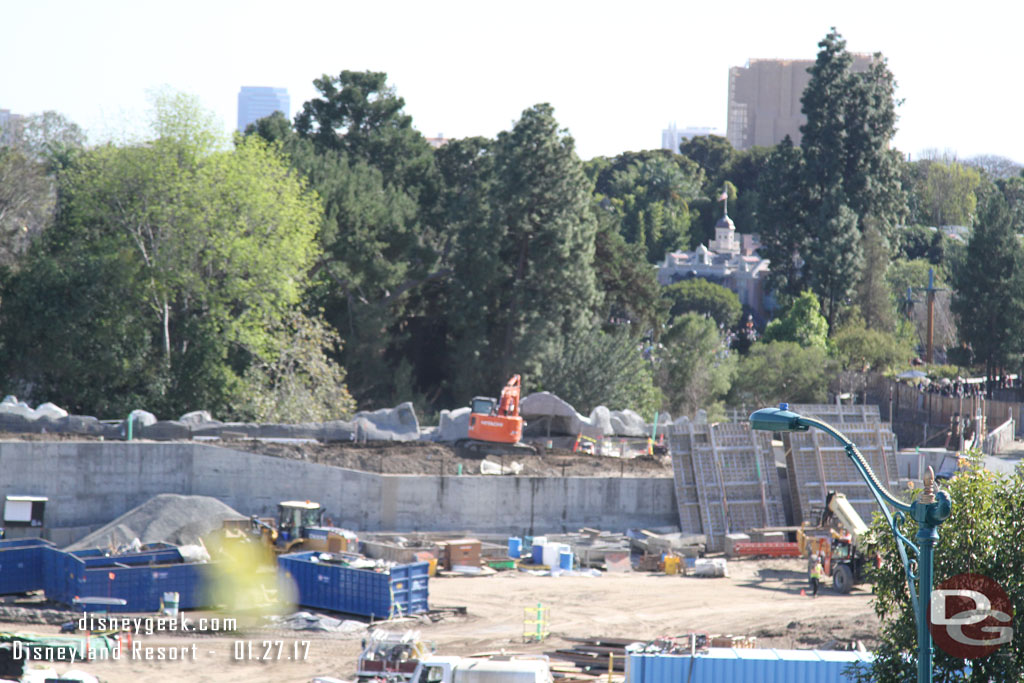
point(166, 518)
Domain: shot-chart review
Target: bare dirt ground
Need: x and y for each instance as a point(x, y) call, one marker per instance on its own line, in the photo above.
point(425, 457)
point(760, 598)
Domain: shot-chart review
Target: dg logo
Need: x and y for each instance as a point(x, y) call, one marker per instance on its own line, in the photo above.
point(970, 616)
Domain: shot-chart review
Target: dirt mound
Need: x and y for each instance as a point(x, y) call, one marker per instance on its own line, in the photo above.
point(166, 518)
point(426, 457)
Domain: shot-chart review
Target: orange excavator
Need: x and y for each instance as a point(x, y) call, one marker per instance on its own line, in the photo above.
point(495, 426)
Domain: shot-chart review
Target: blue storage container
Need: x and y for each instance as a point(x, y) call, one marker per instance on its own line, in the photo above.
point(326, 585)
point(515, 547)
point(537, 554)
point(140, 579)
point(726, 665)
point(21, 564)
point(565, 560)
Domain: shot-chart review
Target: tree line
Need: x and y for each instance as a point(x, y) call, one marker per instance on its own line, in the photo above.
point(309, 267)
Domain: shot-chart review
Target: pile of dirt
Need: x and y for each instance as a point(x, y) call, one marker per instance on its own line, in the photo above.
point(427, 457)
point(166, 518)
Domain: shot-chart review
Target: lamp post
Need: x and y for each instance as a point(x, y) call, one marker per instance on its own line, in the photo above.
point(930, 510)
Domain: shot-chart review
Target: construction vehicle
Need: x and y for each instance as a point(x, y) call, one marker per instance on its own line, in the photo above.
point(842, 540)
point(299, 526)
point(495, 426)
point(500, 669)
point(391, 656)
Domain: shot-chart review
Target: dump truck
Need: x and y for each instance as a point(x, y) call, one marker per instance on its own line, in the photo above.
point(841, 537)
point(473, 670)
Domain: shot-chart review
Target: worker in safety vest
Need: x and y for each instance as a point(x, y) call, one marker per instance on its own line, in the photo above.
point(816, 575)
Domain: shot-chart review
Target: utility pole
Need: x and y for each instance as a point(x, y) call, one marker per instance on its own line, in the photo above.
point(931, 316)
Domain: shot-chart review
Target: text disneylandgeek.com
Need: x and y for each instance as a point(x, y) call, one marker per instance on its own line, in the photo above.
point(130, 648)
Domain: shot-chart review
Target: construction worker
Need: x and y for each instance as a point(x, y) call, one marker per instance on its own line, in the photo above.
point(816, 575)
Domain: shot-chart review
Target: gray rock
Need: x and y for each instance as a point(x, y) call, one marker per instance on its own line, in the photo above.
point(453, 425)
point(197, 417)
point(307, 430)
point(165, 430)
point(336, 430)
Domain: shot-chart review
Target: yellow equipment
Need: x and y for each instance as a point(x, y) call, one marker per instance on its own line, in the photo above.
point(843, 549)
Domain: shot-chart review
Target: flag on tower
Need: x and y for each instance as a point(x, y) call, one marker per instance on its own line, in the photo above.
point(723, 196)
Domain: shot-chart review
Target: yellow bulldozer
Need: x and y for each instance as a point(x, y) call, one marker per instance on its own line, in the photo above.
point(299, 526)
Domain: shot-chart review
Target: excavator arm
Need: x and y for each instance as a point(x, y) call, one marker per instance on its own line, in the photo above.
point(508, 405)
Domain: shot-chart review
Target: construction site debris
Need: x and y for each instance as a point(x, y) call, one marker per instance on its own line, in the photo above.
point(165, 518)
point(307, 621)
point(710, 567)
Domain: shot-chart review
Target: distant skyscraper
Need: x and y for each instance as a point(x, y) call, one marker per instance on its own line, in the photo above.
point(255, 103)
point(764, 100)
point(672, 137)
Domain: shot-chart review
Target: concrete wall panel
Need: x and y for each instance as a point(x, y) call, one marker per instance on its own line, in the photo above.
point(91, 483)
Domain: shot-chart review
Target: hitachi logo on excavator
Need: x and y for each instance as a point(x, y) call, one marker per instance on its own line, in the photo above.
point(491, 423)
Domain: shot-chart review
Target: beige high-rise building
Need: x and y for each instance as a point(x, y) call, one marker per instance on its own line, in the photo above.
point(764, 100)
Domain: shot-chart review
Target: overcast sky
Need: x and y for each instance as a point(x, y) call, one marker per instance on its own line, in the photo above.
point(617, 73)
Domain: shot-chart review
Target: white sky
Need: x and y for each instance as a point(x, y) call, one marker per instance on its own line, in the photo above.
point(617, 73)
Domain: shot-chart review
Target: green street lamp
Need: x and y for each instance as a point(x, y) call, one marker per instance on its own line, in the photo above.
point(930, 510)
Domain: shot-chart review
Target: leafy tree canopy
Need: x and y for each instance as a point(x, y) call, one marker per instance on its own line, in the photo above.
point(603, 368)
point(189, 260)
point(696, 369)
point(983, 535)
point(781, 371)
point(701, 296)
point(989, 289)
point(801, 322)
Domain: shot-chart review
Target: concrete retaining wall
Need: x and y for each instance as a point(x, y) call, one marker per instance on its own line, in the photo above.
point(91, 483)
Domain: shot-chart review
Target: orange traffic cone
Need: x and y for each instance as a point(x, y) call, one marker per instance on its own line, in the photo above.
point(802, 593)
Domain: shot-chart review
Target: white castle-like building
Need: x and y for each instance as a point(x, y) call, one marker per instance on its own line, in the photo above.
point(730, 260)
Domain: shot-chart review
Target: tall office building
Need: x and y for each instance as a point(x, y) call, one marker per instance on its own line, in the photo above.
point(256, 102)
point(672, 137)
point(764, 100)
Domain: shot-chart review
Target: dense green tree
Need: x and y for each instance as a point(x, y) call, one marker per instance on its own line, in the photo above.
point(629, 285)
point(903, 274)
point(467, 170)
point(357, 113)
point(1013, 193)
point(873, 295)
point(543, 289)
point(989, 289)
point(801, 322)
point(189, 259)
point(650, 192)
point(781, 371)
point(947, 193)
point(524, 278)
point(861, 348)
point(983, 535)
point(603, 368)
point(714, 154)
point(701, 296)
point(816, 206)
point(783, 217)
point(384, 239)
point(695, 368)
point(919, 242)
point(724, 167)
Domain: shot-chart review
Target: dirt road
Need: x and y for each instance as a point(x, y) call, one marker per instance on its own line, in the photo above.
point(760, 598)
